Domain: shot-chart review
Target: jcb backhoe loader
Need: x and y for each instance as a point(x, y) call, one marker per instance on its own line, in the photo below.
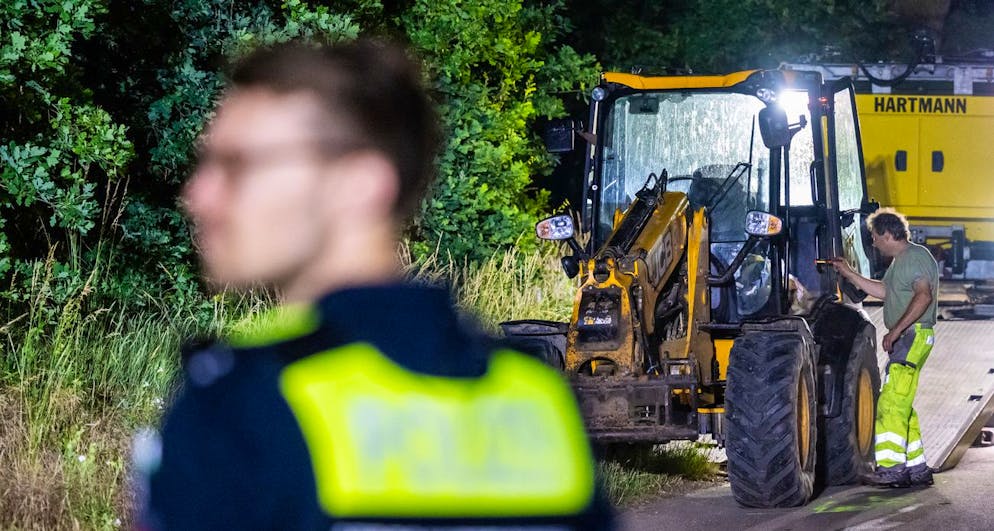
point(711, 203)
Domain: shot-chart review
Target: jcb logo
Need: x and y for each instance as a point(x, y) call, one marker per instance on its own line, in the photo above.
point(659, 258)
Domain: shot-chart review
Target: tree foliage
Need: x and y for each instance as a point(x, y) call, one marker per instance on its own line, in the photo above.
point(179, 104)
point(103, 101)
point(727, 35)
point(76, 193)
point(61, 154)
point(969, 29)
point(496, 68)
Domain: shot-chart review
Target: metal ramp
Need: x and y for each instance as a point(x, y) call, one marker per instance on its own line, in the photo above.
point(956, 390)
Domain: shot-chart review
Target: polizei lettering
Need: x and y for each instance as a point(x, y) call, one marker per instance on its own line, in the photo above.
point(919, 104)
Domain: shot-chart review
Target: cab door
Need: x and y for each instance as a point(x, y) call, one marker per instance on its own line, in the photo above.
point(847, 159)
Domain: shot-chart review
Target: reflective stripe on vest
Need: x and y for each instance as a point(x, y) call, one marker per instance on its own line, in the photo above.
point(388, 442)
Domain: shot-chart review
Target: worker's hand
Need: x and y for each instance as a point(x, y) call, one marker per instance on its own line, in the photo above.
point(842, 266)
point(889, 340)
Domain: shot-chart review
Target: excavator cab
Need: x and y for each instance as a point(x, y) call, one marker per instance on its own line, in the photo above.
point(701, 306)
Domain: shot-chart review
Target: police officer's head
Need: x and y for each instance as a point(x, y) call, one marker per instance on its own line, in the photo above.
point(314, 161)
point(889, 230)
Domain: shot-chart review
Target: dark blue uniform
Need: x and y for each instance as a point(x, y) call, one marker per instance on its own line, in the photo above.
point(233, 452)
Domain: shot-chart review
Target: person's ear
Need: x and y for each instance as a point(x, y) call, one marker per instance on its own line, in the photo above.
point(364, 184)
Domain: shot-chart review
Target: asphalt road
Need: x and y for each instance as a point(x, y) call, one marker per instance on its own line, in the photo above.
point(960, 499)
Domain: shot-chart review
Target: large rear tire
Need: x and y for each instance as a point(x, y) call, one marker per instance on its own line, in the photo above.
point(771, 408)
point(848, 437)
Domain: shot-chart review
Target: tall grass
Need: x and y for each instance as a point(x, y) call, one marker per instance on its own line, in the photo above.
point(76, 383)
point(507, 286)
point(74, 386)
point(633, 473)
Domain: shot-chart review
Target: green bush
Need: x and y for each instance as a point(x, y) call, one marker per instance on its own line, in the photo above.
point(61, 155)
point(497, 68)
point(95, 200)
point(80, 192)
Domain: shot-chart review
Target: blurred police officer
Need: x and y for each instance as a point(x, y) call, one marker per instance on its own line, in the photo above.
point(362, 403)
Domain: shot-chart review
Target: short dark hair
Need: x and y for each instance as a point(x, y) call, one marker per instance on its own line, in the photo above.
point(888, 220)
point(374, 88)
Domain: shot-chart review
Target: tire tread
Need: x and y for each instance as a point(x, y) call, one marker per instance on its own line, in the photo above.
point(763, 465)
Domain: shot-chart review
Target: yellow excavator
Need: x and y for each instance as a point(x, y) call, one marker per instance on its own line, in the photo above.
point(704, 306)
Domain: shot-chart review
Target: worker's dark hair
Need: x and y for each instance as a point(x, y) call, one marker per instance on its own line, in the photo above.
point(888, 220)
point(372, 89)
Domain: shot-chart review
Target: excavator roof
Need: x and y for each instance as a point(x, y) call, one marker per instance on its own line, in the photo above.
point(676, 82)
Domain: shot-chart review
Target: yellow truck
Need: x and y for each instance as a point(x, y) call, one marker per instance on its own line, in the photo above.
point(928, 147)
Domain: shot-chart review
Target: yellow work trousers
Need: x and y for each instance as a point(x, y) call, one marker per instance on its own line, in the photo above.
point(898, 435)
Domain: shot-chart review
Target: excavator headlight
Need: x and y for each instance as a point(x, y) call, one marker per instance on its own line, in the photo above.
point(555, 228)
point(598, 93)
point(762, 224)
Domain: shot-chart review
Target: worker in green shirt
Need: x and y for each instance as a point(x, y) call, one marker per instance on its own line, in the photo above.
point(910, 291)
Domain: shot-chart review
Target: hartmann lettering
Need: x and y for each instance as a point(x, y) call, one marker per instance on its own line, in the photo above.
point(919, 104)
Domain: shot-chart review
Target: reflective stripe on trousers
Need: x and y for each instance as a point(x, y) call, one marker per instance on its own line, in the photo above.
point(898, 433)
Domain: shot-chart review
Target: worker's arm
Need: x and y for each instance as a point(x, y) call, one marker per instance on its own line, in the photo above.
point(920, 301)
point(873, 287)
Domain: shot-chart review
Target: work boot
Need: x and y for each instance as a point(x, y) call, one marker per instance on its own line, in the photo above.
point(920, 475)
point(893, 477)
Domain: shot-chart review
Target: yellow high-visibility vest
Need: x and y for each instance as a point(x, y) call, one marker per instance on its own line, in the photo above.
point(388, 442)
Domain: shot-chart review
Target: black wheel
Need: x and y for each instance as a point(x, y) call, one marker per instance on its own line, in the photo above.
point(771, 408)
point(541, 348)
point(545, 340)
point(848, 438)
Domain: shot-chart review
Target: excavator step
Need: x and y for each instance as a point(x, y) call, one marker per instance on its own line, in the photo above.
point(956, 389)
